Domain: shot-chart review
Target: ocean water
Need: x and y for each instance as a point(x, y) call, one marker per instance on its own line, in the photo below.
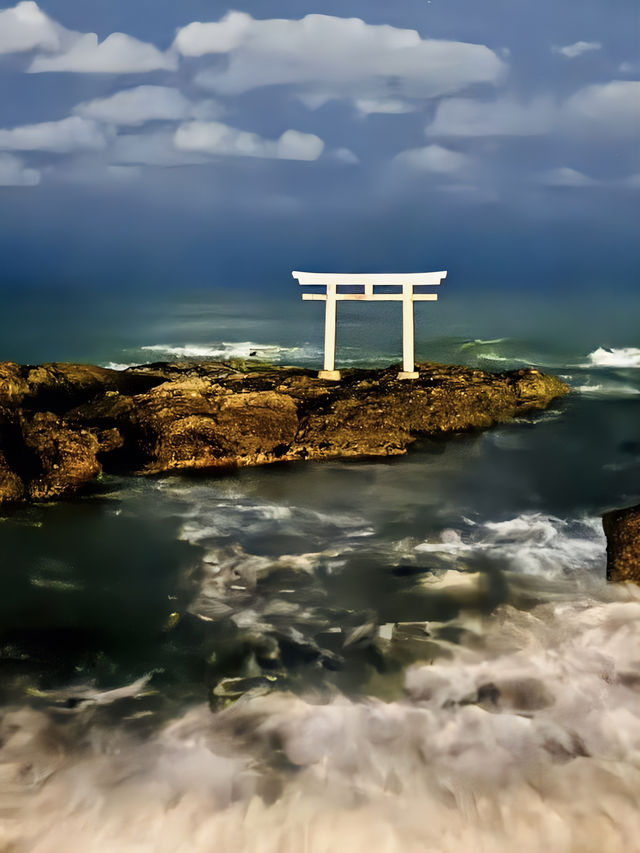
point(414, 654)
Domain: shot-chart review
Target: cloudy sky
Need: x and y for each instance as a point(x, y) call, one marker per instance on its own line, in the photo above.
point(194, 143)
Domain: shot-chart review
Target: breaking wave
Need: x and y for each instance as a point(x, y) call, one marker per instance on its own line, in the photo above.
point(527, 738)
point(514, 729)
point(621, 357)
point(234, 349)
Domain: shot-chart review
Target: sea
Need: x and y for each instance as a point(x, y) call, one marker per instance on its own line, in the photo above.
point(408, 655)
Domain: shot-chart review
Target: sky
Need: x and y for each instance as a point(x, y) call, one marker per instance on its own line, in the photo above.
point(197, 144)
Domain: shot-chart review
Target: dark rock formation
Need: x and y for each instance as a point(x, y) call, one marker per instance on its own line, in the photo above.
point(62, 424)
point(622, 529)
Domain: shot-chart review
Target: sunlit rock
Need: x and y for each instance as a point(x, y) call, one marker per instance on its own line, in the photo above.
point(67, 423)
point(622, 529)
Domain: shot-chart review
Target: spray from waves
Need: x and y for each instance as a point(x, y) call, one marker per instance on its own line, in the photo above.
point(622, 357)
point(528, 739)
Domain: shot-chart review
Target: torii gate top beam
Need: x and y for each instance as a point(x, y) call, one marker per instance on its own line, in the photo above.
point(390, 278)
point(368, 281)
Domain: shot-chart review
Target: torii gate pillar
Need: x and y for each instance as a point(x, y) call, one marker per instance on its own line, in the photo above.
point(330, 324)
point(367, 281)
point(408, 335)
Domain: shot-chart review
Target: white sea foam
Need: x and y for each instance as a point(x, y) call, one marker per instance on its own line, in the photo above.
point(621, 357)
point(531, 543)
point(232, 349)
point(528, 740)
point(491, 356)
point(607, 389)
point(221, 508)
point(482, 343)
point(118, 365)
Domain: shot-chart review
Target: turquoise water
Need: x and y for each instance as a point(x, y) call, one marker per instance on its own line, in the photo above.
point(101, 327)
point(293, 577)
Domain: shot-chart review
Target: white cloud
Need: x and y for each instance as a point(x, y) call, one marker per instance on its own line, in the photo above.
point(222, 36)
point(146, 103)
point(152, 149)
point(313, 100)
point(566, 177)
point(571, 51)
point(68, 134)
point(26, 27)
point(219, 139)
point(388, 106)
point(344, 155)
point(504, 117)
point(611, 109)
point(117, 54)
point(13, 172)
point(614, 106)
point(294, 145)
point(433, 158)
point(339, 57)
point(195, 142)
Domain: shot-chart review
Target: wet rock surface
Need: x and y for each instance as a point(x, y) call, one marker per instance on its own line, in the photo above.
point(61, 425)
point(622, 529)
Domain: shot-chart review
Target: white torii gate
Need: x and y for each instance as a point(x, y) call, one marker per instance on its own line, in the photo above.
point(368, 282)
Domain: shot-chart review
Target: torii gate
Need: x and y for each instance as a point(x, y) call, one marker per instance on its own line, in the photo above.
point(368, 282)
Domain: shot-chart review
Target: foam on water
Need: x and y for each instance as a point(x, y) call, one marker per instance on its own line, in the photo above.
point(242, 516)
point(607, 389)
point(528, 740)
point(481, 342)
point(118, 365)
point(232, 349)
point(534, 543)
point(490, 356)
point(517, 729)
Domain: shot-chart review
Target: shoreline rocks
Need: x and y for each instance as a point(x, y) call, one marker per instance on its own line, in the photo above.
point(61, 425)
point(622, 529)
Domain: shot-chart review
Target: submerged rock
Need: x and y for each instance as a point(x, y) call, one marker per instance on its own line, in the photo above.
point(622, 529)
point(62, 424)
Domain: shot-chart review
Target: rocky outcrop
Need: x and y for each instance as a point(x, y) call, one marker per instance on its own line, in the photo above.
point(622, 529)
point(11, 486)
point(61, 425)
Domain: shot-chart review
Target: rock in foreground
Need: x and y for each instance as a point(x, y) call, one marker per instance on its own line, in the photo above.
point(622, 529)
point(61, 425)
